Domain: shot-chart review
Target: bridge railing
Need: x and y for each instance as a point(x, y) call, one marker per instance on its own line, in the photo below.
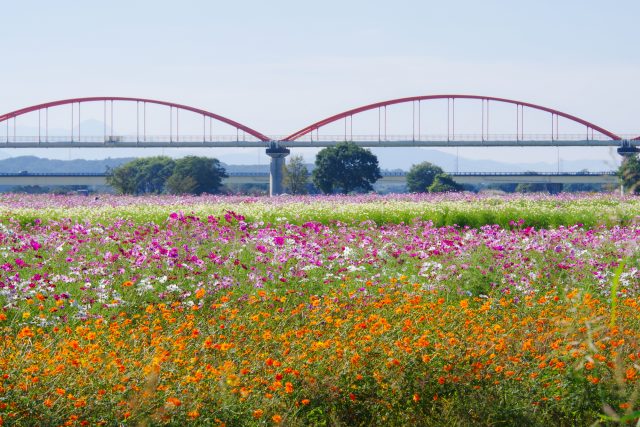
point(384, 173)
point(458, 137)
point(602, 173)
point(115, 139)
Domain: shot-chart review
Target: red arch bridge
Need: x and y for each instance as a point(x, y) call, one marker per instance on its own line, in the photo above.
point(420, 121)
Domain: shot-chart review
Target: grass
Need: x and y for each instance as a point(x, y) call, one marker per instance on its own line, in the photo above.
point(471, 210)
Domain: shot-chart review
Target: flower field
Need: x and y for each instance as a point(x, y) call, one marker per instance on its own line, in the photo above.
point(361, 310)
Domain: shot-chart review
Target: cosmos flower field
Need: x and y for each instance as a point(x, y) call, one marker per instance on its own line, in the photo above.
point(347, 310)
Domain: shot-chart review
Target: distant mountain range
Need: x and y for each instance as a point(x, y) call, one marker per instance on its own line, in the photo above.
point(39, 165)
point(394, 158)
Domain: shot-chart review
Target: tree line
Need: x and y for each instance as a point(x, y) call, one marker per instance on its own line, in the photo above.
point(344, 168)
point(162, 174)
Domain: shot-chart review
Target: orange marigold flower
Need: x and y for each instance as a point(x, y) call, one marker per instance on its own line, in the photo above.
point(416, 397)
point(631, 374)
point(592, 379)
point(173, 401)
point(277, 418)
point(26, 332)
point(3, 316)
point(193, 414)
point(127, 283)
point(200, 293)
point(305, 401)
point(257, 413)
point(288, 387)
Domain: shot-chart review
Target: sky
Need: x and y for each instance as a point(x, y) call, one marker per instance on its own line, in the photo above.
point(280, 65)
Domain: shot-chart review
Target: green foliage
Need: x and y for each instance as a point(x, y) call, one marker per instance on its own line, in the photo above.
point(421, 176)
point(346, 168)
point(154, 175)
point(538, 187)
point(443, 183)
point(582, 188)
point(141, 176)
point(296, 175)
point(629, 173)
point(180, 184)
point(196, 175)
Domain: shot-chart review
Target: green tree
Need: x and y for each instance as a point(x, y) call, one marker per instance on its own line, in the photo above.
point(531, 187)
point(206, 175)
point(180, 184)
point(629, 173)
point(539, 187)
point(421, 176)
point(345, 168)
point(296, 175)
point(140, 176)
point(444, 183)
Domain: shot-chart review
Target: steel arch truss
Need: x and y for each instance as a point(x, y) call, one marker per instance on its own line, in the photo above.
point(520, 104)
point(72, 101)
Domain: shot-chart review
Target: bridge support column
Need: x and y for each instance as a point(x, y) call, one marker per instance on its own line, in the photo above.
point(276, 173)
point(626, 148)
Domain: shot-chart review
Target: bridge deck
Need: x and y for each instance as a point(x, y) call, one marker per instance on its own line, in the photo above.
point(363, 141)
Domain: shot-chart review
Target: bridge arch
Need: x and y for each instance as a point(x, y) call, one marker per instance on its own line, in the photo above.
point(218, 117)
point(364, 108)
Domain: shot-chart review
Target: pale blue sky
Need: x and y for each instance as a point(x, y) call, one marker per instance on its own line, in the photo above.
point(279, 65)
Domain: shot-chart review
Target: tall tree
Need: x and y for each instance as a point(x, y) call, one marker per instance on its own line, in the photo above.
point(206, 174)
point(296, 175)
point(140, 176)
point(180, 184)
point(629, 173)
point(345, 168)
point(421, 176)
point(444, 183)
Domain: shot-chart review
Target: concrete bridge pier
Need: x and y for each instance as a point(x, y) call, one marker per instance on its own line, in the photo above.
point(276, 176)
